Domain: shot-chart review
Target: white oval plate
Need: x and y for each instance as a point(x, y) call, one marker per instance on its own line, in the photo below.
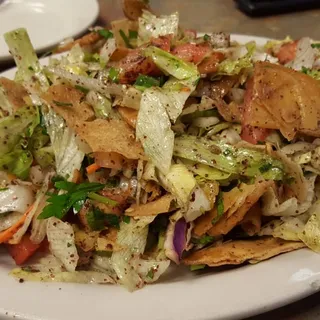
point(48, 22)
point(181, 294)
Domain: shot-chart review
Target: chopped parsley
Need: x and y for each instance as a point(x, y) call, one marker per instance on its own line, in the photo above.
point(265, 167)
point(143, 82)
point(30, 68)
point(133, 34)
point(102, 199)
point(151, 272)
point(74, 197)
point(125, 39)
point(126, 219)
point(206, 37)
point(197, 267)
point(220, 208)
point(113, 75)
point(315, 45)
point(204, 240)
point(62, 104)
point(98, 220)
point(105, 33)
point(82, 89)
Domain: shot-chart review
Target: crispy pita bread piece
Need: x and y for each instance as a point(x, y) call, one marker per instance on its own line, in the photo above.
point(297, 94)
point(133, 9)
point(240, 251)
point(251, 223)
point(162, 205)
point(111, 136)
point(249, 196)
point(67, 102)
point(15, 93)
point(85, 41)
point(124, 25)
point(129, 116)
point(204, 222)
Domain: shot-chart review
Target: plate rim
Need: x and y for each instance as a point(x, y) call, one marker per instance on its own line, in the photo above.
point(91, 15)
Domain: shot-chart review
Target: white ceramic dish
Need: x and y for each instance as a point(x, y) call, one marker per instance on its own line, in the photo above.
point(48, 22)
point(229, 294)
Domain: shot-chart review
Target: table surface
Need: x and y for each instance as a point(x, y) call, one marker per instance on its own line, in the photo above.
point(222, 15)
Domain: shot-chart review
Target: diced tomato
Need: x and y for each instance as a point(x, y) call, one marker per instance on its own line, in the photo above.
point(254, 134)
point(287, 52)
point(191, 52)
point(162, 42)
point(211, 63)
point(22, 251)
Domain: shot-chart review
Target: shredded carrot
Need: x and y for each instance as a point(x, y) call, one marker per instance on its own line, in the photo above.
point(11, 177)
point(185, 89)
point(6, 235)
point(92, 168)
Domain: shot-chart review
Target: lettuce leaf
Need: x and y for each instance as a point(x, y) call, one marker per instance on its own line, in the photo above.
point(151, 26)
point(62, 243)
point(232, 67)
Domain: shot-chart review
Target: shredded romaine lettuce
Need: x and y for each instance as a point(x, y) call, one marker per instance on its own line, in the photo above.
point(25, 57)
point(102, 105)
point(151, 26)
point(232, 67)
point(62, 243)
point(68, 155)
point(225, 157)
point(153, 126)
point(180, 182)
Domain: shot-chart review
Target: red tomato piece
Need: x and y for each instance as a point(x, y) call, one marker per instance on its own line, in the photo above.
point(254, 134)
point(287, 52)
point(211, 63)
point(163, 42)
point(191, 52)
point(22, 251)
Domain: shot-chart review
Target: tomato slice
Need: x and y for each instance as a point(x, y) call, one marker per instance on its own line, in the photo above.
point(254, 135)
point(22, 251)
point(191, 52)
point(287, 52)
point(162, 42)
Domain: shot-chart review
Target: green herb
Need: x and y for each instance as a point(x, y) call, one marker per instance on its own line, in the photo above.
point(203, 240)
point(30, 68)
point(114, 75)
point(220, 208)
point(197, 267)
point(102, 199)
point(62, 104)
point(113, 182)
point(150, 273)
point(125, 39)
point(265, 167)
point(126, 219)
point(75, 195)
point(206, 37)
point(133, 34)
point(82, 89)
point(105, 33)
point(4, 189)
point(315, 45)
point(97, 219)
point(146, 82)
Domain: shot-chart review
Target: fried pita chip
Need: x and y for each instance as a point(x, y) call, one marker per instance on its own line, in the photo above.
point(133, 9)
point(111, 136)
point(87, 40)
point(124, 25)
point(153, 190)
point(108, 241)
point(240, 251)
point(15, 93)
point(162, 205)
point(129, 116)
point(113, 160)
point(67, 102)
point(204, 223)
point(252, 195)
point(251, 223)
